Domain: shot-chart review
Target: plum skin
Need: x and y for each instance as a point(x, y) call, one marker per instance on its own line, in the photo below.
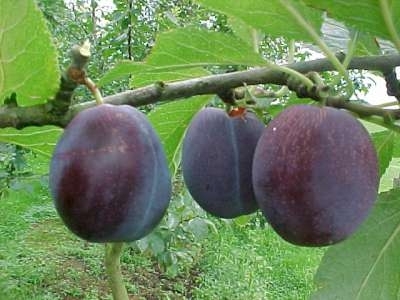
point(108, 175)
point(217, 155)
point(315, 175)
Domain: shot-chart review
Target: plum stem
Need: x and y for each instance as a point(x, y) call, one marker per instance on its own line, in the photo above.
point(94, 90)
point(113, 269)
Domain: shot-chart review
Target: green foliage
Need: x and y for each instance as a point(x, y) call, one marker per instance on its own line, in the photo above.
point(337, 36)
point(384, 143)
point(174, 40)
point(250, 262)
point(176, 242)
point(39, 139)
point(40, 259)
point(170, 121)
point(271, 17)
point(366, 265)
point(373, 18)
point(25, 41)
point(12, 164)
point(187, 48)
point(21, 170)
point(391, 175)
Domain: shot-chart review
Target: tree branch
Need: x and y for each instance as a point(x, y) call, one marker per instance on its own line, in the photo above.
point(43, 114)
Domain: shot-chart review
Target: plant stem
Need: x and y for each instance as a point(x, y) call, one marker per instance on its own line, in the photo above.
point(113, 269)
point(317, 39)
point(94, 90)
point(387, 17)
point(42, 114)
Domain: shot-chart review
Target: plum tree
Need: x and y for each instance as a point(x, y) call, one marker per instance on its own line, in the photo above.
point(216, 161)
point(315, 174)
point(109, 176)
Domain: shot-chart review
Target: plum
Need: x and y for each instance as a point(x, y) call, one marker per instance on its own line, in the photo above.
point(315, 175)
point(108, 175)
point(217, 156)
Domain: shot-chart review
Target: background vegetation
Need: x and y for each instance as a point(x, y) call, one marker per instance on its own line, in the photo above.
point(190, 255)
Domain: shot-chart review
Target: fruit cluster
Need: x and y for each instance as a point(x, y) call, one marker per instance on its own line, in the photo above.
point(312, 171)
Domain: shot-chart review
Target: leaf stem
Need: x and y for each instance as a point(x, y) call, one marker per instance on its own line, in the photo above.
point(301, 77)
point(350, 50)
point(94, 90)
point(292, 50)
point(387, 17)
point(113, 268)
point(320, 43)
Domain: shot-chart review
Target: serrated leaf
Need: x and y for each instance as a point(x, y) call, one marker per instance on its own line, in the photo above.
point(364, 15)
point(183, 53)
point(366, 266)
point(384, 143)
point(28, 59)
point(38, 139)
point(170, 120)
point(271, 17)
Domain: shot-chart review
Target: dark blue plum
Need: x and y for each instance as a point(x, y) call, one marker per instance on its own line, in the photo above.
point(315, 175)
point(109, 176)
point(217, 156)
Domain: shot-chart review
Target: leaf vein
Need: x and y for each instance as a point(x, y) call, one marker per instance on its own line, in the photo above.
point(378, 258)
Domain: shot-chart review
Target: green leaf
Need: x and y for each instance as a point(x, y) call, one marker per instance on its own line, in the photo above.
point(156, 243)
point(247, 33)
point(371, 127)
point(242, 220)
point(183, 53)
point(364, 15)
point(366, 266)
point(396, 149)
point(28, 59)
point(367, 45)
point(337, 36)
point(392, 172)
point(271, 17)
point(38, 139)
point(384, 143)
point(198, 227)
point(170, 121)
point(144, 74)
point(201, 48)
point(164, 74)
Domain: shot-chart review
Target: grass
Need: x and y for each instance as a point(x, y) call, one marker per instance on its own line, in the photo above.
point(41, 259)
point(255, 264)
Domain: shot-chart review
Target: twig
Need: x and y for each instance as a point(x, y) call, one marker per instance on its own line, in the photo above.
point(45, 114)
point(70, 79)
